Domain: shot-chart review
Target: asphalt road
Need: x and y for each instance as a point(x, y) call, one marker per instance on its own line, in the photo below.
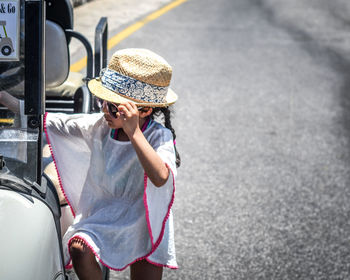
point(263, 131)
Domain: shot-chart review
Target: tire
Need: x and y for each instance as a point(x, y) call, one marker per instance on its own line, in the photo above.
point(6, 50)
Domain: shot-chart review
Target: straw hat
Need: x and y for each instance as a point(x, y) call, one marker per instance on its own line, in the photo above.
point(137, 75)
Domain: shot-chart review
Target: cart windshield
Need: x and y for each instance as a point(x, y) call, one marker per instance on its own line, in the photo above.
point(18, 143)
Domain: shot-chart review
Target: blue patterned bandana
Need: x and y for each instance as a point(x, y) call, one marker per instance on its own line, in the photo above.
point(132, 88)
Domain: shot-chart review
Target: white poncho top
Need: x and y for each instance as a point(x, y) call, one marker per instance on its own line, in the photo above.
point(118, 212)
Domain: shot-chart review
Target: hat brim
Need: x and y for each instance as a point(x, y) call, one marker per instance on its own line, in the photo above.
point(97, 89)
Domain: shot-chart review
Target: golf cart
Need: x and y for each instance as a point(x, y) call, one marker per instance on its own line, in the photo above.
point(6, 45)
point(30, 210)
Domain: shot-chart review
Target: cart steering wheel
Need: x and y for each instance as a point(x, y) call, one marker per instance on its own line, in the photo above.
point(11, 74)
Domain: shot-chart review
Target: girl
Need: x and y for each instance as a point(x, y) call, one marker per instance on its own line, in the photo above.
point(117, 170)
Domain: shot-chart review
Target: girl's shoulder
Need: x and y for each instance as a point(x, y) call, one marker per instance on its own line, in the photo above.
point(158, 133)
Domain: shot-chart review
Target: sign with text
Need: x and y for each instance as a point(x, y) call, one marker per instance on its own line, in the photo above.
point(9, 30)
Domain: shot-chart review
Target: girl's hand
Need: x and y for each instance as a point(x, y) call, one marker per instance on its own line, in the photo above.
point(129, 115)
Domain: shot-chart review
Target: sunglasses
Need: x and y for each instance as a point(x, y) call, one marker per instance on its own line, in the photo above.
point(112, 108)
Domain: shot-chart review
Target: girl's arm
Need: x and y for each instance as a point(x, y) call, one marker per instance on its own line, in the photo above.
point(153, 165)
point(151, 162)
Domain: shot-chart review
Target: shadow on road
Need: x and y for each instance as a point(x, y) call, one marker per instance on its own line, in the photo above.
point(335, 58)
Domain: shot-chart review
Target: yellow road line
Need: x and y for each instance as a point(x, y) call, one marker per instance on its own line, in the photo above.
point(10, 121)
point(81, 64)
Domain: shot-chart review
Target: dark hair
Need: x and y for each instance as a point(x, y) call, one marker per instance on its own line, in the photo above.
point(167, 123)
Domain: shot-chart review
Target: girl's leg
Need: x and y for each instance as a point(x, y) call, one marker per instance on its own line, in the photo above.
point(143, 270)
point(84, 261)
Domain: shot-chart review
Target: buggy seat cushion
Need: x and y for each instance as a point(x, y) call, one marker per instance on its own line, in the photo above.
point(57, 55)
